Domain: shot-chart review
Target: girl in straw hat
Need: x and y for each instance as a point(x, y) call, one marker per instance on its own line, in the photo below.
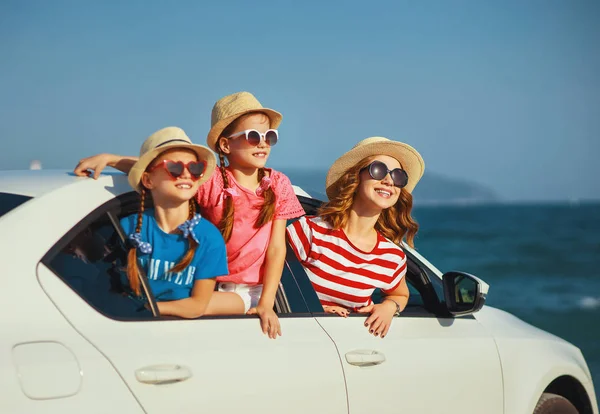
point(182, 253)
point(248, 202)
point(353, 245)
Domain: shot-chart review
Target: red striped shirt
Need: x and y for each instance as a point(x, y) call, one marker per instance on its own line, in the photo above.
point(341, 273)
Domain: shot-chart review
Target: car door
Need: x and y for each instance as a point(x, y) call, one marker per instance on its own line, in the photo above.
point(427, 363)
point(211, 364)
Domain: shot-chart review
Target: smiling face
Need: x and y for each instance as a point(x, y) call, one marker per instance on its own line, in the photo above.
point(164, 188)
point(374, 194)
point(240, 154)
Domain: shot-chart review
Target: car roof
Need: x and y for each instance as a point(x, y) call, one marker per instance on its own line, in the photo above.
point(34, 183)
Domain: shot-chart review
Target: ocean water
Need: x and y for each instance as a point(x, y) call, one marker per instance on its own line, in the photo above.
point(542, 262)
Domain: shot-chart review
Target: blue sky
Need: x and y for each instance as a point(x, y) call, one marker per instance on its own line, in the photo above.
point(506, 93)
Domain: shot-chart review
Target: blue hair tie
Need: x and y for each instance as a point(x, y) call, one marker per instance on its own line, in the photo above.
point(136, 241)
point(187, 228)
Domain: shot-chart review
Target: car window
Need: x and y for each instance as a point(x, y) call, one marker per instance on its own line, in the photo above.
point(413, 278)
point(90, 261)
point(307, 294)
point(9, 201)
point(310, 296)
point(91, 258)
point(436, 290)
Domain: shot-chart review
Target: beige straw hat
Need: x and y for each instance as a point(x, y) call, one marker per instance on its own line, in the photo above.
point(407, 156)
point(231, 107)
point(163, 140)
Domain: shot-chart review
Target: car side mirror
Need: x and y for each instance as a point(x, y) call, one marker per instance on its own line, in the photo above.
point(464, 293)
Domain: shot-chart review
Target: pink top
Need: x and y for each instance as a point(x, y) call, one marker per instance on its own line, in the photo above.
point(247, 247)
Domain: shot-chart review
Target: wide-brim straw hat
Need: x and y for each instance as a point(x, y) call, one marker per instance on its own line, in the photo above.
point(408, 157)
point(230, 108)
point(168, 139)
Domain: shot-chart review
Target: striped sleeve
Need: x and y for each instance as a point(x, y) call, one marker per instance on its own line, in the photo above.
point(300, 238)
point(398, 274)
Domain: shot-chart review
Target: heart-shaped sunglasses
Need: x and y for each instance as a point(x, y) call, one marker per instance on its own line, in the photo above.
point(175, 168)
point(378, 170)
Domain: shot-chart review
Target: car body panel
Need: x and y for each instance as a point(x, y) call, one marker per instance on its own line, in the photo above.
point(532, 359)
point(456, 357)
point(36, 183)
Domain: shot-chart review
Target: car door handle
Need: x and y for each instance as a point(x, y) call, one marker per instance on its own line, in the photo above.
point(365, 357)
point(163, 374)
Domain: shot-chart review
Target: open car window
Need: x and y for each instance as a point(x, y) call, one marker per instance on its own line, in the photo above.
point(91, 260)
point(423, 298)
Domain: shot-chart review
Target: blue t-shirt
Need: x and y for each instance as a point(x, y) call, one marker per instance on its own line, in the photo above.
point(209, 261)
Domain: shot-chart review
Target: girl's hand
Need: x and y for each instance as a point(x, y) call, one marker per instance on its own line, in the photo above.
point(381, 318)
point(366, 309)
point(269, 322)
point(97, 163)
point(337, 310)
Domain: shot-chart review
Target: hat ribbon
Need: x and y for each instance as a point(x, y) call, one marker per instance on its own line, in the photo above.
point(172, 140)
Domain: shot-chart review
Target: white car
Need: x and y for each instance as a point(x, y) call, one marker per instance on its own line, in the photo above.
point(74, 340)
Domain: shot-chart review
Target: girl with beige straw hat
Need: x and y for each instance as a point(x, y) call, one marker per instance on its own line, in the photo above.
point(248, 202)
point(182, 253)
point(352, 246)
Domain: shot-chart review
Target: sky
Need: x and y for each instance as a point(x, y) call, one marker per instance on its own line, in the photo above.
point(505, 94)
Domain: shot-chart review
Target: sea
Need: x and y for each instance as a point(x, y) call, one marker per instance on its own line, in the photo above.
point(542, 261)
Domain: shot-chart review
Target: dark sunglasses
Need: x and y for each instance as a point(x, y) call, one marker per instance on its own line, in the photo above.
point(378, 171)
point(175, 168)
point(254, 137)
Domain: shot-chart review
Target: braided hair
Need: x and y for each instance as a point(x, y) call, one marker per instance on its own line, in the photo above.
point(226, 224)
point(267, 209)
point(193, 245)
point(132, 263)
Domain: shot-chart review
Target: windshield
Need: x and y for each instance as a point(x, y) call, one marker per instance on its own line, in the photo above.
point(10, 201)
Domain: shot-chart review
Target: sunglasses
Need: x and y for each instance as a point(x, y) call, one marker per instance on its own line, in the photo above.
point(378, 171)
point(254, 137)
point(175, 168)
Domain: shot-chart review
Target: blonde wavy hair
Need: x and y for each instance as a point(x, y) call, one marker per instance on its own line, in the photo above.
point(394, 223)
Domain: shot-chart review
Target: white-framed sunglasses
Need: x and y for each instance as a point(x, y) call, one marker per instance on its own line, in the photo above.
point(254, 137)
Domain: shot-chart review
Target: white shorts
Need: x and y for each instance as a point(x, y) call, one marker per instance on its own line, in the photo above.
point(250, 294)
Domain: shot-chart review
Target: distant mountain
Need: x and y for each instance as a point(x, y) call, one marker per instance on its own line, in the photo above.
point(432, 189)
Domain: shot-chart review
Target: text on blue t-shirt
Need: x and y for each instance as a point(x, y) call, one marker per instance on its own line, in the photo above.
point(210, 259)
